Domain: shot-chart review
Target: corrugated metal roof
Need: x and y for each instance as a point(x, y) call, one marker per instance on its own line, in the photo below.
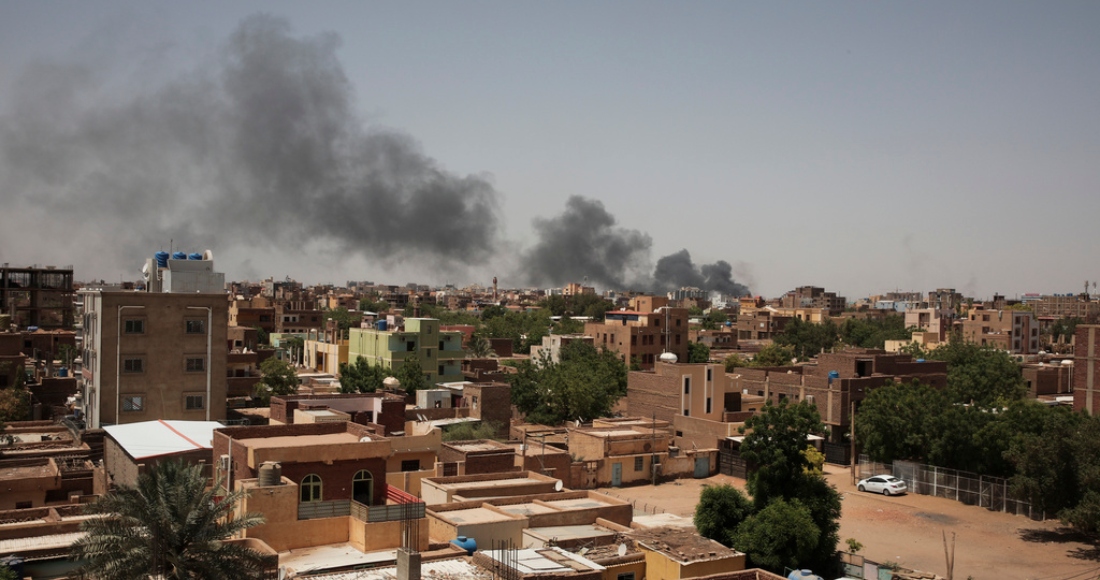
point(156, 438)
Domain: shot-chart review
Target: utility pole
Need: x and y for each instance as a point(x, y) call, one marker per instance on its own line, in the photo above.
point(852, 437)
point(949, 556)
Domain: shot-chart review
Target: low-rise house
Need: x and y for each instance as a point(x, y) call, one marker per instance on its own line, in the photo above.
point(132, 449)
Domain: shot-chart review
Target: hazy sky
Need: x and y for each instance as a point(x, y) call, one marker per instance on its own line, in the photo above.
point(864, 147)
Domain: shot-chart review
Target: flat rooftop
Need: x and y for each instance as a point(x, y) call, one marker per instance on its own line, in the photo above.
point(469, 446)
point(478, 515)
point(37, 543)
point(453, 569)
point(286, 441)
point(562, 533)
point(579, 503)
point(28, 472)
point(492, 483)
point(320, 558)
point(526, 509)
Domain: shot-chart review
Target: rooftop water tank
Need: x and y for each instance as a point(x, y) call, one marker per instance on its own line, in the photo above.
point(271, 474)
point(62, 372)
point(161, 259)
point(833, 375)
point(179, 256)
point(466, 543)
point(194, 256)
point(668, 357)
point(380, 325)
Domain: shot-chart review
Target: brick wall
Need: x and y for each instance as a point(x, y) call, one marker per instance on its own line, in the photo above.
point(648, 394)
point(1086, 369)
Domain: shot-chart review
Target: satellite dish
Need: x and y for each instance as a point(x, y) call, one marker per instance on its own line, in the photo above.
point(557, 485)
point(622, 550)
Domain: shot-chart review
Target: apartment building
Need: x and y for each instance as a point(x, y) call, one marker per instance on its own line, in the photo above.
point(814, 297)
point(1086, 369)
point(641, 335)
point(159, 353)
point(1016, 331)
point(439, 352)
point(37, 297)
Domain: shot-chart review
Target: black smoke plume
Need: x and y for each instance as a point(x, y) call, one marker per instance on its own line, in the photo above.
point(584, 242)
point(261, 147)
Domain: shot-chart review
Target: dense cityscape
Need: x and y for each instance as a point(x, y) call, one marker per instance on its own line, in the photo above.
point(340, 428)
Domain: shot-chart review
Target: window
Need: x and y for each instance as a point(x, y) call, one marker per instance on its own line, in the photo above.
point(687, 385)
point(311, 488)
point(134, 326)
point(196, 365)
point(687, 413)
point(677, 339)
point(708, 404)
point(133, 365)
point(625, 576)
point(441, 344)
point(410, 346)
point(633, 340)
point(193, 402)
point(195, 326)
point(710, 377)
point(133, 403)
point(23, 505)
point(441, 369)
point(410, 465)
point(639, 463)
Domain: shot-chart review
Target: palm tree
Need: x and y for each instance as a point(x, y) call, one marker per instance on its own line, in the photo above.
point(168, 527)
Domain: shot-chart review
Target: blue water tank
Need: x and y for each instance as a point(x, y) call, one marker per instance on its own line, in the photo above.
point(162, 259)
point(194, 256)
point(466, 543)
point(179, 256)
point(833, 375)
point(380, 325)
point(62, 372)
point(920, 360)
point(803, 575)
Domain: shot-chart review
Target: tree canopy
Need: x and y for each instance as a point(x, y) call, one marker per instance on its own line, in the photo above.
point(807, 339)
point(981, 375)
point(698, 352)
point(362, 377)
point(780, 536)
point(411, 375)
point(720, 510)
point(586, 384)
point(278, 379)
point(169, 526)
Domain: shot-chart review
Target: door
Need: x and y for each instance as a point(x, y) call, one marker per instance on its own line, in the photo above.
point(702, 467)
point(616, 474)
point(363, 487)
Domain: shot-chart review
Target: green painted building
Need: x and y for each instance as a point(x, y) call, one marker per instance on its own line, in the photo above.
point(440, 352)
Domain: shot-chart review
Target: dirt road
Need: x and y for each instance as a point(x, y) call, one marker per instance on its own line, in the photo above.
point(908, 530)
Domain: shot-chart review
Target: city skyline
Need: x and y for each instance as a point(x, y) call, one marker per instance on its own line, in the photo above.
point(861, 148)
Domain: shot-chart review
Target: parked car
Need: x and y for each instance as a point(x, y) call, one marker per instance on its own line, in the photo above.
point(884, 484)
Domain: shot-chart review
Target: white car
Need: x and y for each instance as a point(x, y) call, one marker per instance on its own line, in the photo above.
point(884, 484)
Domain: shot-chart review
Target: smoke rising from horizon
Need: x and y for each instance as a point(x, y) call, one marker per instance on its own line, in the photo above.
point(584, 242)
point(262, 146)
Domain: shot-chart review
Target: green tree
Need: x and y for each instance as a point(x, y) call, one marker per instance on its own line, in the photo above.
point(895, 421)
point(807, 339)
point(262, 336)
point(733, 361)
point(782, 535)
point(980, 375)
point(7, 573)
point(480, 347)
point(169, 526)
point(698, 352)
point(585, 384)
point(715, 319)
point(361, 376)
point(777, 437)
point(873, 333)
point(373, 304)
point(344, 318)
point(1048, 463)
point(15, 404)
point(773, 355)
point(720, 510)
point(278, 379)
point(411, 375)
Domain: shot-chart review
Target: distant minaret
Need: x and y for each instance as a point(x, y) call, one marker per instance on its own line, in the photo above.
point(495, 289)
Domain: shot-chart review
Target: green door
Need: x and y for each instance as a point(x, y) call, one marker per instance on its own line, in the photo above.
point(616, 474)
point(702, 467)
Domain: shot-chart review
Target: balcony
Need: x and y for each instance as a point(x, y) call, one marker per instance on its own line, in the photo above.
point(399, 506)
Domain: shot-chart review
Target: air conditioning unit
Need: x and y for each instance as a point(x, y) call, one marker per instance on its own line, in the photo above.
point(223, 463)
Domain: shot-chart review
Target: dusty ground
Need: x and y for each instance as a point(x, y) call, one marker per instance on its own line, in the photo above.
point(907, 530)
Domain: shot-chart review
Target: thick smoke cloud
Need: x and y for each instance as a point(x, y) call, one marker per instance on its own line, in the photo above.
point(585, 242)
point(262, 147)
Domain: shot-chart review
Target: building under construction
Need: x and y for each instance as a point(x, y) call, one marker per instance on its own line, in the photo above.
point(37, 296)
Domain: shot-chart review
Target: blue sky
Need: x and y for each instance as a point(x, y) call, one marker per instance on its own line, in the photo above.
point(858, 146)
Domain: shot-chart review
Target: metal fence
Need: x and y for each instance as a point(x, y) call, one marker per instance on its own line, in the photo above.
point(962, 486)
point(324, 509)
point(386, 513)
